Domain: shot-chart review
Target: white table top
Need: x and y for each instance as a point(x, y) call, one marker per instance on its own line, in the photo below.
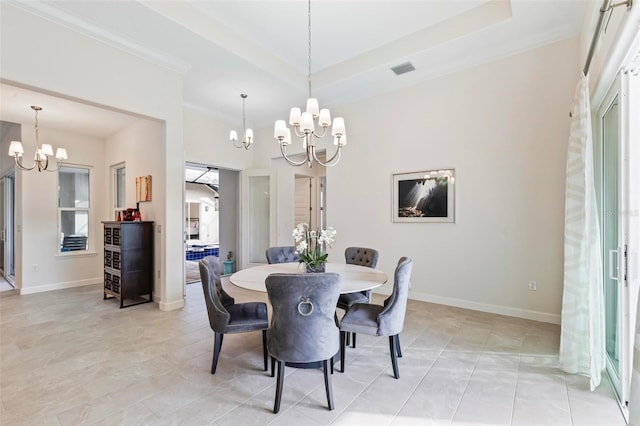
point(354, 277)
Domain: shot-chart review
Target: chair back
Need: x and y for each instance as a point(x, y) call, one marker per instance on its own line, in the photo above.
point(303, 326)
point(213, 293)
point(361, 256)
point(284, 254)
point(391, 319)
point(74, 242)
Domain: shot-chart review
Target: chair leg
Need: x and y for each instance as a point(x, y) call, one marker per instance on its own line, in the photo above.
point(343, 341)
point(394, 354)
point(399, 350)
point(348, 339)
point(327, 383)
point(353, 343)
point(273, 366)
point(217, 346)
point(264, 348)
point(279, 383)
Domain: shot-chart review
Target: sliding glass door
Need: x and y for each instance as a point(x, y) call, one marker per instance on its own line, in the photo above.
point(610, 121)
point(613, 193)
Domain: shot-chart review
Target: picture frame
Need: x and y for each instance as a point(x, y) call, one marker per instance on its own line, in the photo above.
point(143, 188)
point(426, 196)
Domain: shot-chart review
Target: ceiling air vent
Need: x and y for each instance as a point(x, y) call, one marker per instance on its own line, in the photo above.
point(403, 68)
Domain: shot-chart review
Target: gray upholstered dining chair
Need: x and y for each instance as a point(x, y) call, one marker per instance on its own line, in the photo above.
point(303, 328)
point(358, 256)
point(226, 316)
point(385, 320)
point(284, 254)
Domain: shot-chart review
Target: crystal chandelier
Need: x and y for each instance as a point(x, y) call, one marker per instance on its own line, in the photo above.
point(304, 125)
point(247, 140)
point(42, 152)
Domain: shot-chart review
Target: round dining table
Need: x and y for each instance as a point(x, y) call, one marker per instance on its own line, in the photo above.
point(353, 277)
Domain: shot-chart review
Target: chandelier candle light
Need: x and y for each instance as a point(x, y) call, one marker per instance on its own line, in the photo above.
point(310, 244)
point(248, 133)
point(42, 152)
point(304, 125)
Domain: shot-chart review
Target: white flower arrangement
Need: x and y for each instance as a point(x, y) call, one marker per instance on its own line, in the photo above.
point(310, 244)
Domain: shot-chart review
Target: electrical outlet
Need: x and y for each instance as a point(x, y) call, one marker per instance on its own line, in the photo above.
point(533, 286)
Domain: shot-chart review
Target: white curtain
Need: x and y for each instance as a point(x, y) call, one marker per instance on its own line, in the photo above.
point(582, 342)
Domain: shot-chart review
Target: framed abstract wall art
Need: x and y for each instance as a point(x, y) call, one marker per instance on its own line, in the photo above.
point(143, 188)
point(427, 196)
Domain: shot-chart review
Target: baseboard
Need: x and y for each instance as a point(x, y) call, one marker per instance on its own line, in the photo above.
point(58, 286)
point(171, 306)
point(485, 307)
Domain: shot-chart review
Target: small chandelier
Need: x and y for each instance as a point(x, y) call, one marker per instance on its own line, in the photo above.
point(42, 152)
point(248, 133)
point(305, 128)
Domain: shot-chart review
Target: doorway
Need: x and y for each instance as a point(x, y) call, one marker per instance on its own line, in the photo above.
point(303, 201)
point(309, 205)
point(7, 231)
point(201, 213)
point(210, 217)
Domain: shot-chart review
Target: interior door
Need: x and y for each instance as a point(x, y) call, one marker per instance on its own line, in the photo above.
point(258, 215)
point(303, 211)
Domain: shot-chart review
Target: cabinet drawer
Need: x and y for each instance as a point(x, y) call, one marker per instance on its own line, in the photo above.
point(112, 282)
point(107, 280)
point(111, 259)
point(112, 235)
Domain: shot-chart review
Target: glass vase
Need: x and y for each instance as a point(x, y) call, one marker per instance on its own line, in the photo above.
point(315, 268)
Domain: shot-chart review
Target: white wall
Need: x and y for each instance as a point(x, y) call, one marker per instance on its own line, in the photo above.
point(229, 214)
point(42, 267)
point(140, 148)
point(206, 141)
point(504, 127)
point(83, 68)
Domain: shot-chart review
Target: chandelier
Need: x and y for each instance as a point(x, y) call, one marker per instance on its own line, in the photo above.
point(42, 152)
point(304, 125)
point(247, 140)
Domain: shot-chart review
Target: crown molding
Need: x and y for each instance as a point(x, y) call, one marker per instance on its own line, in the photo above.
point(50, 13)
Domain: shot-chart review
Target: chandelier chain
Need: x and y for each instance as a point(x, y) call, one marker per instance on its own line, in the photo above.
point(247, 134)
point(304, 124)
point(244, 127)
point(309, 47)
point(37, 129)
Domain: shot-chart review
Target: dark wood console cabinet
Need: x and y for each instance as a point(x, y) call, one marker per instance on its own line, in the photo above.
point(128, 262)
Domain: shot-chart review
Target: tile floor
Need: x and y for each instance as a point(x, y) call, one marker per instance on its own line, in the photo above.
point(4, 285)
point(69, 358)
